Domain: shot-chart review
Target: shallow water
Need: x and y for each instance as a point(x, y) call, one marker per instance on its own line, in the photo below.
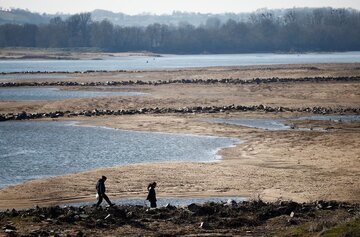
point(50, 93)
point(176, 61)
point(35, 150)
point(32, 76)
point(165, 201)
point(279, 124)
point(268, 124)
point(344, 118)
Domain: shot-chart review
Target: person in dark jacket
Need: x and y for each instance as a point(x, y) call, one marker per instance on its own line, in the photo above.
point(100, 189)
point(152, 194)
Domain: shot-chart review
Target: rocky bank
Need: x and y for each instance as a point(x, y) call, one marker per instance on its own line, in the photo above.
point(253, 218)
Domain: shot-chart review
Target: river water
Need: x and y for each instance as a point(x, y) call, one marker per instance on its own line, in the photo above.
point(50, 93)
point(175, 61)
point(281, 124)
point(35, 150)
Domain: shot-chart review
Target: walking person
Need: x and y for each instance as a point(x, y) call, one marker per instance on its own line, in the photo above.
point(152, 195)
point(100, 189)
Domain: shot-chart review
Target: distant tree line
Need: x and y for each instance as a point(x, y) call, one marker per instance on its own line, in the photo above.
point(322, 29)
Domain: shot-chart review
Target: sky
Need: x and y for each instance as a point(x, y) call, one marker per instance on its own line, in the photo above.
point(133, 7)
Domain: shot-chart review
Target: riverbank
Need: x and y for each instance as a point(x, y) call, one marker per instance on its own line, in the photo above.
point(286, 165)
point(273, 165)
point(254, 218)
point(64, 54)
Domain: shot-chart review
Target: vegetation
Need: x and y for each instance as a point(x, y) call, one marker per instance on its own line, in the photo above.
point(350, 228)
point(296, 30)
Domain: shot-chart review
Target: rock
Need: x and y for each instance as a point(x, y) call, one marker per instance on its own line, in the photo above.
point(129, 215)
point(204, 225)
point(69, 218)
point(9, 227)
point(83, 216)
point(151, 210)
point(194, 207)
point(40, 233)
point(231, 202)
point(170, 207)
point(49, 220)
point(292, 221)
point(14, 213)
point(10, 231)
point(100, 223)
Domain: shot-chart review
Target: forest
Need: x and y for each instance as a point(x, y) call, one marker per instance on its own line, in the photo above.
point(296, 30)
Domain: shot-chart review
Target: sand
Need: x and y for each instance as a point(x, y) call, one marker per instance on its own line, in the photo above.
point(271, 165)
point(63, 54)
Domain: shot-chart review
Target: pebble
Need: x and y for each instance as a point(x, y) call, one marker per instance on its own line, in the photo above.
point(185, 110)
point(182, 81)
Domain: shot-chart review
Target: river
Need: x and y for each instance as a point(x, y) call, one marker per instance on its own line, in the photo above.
point(51, 93)
point(35, 150)
point(175, 61)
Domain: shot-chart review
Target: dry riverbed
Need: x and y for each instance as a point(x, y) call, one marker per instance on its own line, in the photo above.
point(301, 166)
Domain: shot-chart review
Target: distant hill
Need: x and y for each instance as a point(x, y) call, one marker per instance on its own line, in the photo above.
point(175, 18)
point(20, 16)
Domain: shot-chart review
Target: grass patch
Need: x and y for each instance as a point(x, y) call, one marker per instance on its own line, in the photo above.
point(351, 228)
point(325, 228)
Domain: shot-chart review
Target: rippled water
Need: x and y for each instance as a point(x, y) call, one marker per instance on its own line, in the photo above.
point(34, 150)
point(176, 61)
point(49, 93)
point(279, 124)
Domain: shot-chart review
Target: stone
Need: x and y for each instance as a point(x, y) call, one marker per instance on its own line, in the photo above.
point(204, 225)
point(194, 207)
point(83, 216)
point(9, 231)
point(231, 202)
point(9, 227)
point(170, 207)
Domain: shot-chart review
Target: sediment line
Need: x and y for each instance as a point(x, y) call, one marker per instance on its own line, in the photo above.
point(185, 110)
point(188, 81)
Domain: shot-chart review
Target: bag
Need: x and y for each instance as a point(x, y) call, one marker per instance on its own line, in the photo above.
point(97, 196)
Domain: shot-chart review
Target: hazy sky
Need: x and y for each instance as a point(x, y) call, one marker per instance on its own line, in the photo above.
point(167, 6)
